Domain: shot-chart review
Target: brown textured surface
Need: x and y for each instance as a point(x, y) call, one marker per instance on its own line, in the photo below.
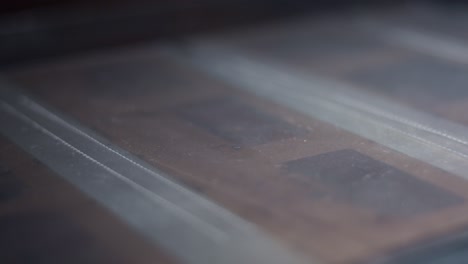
point(348, 176)
point(43, 219)
point(145, 104)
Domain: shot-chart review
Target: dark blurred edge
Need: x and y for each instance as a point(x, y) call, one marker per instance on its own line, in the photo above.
point(51, 28)
point(450, 249)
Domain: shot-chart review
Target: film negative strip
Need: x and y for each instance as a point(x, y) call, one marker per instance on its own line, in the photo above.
point(284, 160)
point(189, 227)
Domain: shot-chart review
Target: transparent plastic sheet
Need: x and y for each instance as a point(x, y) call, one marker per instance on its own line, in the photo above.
point(45, 219)
point(344, 146)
